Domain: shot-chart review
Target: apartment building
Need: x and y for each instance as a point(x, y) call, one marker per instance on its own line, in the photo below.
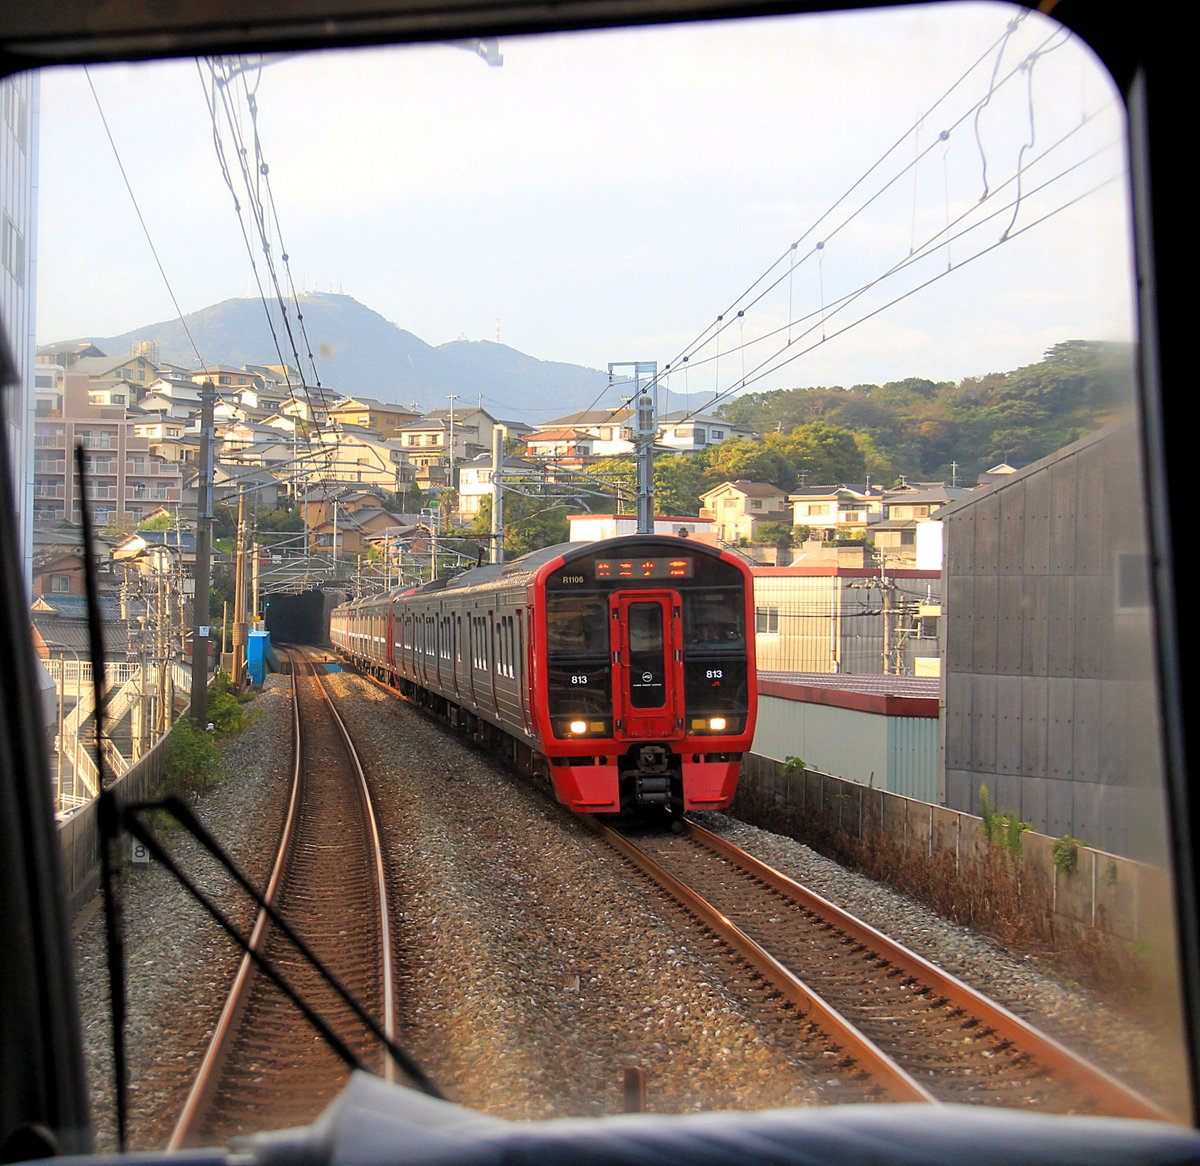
point(123, 475)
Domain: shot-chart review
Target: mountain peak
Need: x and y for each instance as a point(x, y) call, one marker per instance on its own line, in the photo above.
point(355, 350)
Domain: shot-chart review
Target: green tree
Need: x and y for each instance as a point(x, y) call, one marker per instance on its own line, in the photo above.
point(165, 522)
point(120, 525)
point(828, 453)
point(879, 469)
point(530, 523)
point(754, 461)
point(921, 428)
point(616, 478)
point(774, 534)
point(286, 519)
point(679, 480)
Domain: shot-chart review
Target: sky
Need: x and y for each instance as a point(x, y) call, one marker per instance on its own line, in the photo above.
point(605, 197)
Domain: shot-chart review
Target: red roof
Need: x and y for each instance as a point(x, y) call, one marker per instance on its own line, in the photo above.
point(893, 696)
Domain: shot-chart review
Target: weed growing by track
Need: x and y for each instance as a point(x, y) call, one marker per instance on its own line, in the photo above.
point(193, 763)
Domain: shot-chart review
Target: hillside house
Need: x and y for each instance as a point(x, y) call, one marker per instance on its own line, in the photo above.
point(580, 436)
point(905, 509)
point(837, 512)
point(684, 432)
point(738, 508)
point(475, 482)
point(367, 413)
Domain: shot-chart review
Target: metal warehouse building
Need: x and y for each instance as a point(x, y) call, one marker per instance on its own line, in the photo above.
point(1048, 689)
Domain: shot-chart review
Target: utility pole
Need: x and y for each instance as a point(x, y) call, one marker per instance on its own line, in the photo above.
point(645, 431)
point(254, 564)
point(451, 397)
point(239, 596)
point(204, 522)
point(335, 526)
point(499, 433)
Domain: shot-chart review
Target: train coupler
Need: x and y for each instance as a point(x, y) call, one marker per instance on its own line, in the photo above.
point(652, 790)
point(652, 776)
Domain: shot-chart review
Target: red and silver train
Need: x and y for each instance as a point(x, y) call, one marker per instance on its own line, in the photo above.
point(622, 668)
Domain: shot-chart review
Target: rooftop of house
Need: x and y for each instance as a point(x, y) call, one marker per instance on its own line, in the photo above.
point(748, 488)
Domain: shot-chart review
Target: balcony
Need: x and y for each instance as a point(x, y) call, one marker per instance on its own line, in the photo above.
point(149, 494)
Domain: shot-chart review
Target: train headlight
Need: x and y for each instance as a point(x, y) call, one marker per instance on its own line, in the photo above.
point(705, 723)
point(578, 726)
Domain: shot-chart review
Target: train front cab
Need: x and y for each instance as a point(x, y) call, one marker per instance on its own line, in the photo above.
point(648, 684)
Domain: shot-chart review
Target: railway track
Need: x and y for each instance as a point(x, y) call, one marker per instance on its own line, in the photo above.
point(920, 1033)
point(266, 1065)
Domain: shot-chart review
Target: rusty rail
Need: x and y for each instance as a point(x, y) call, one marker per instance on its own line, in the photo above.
point(894, 1082)
point(1117, 1098)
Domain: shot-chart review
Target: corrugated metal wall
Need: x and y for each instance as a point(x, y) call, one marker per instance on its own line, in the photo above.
point(899, 754)
point(1049, 697)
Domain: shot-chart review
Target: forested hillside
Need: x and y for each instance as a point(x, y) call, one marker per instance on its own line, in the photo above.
point(924, 430)
point(916, 429)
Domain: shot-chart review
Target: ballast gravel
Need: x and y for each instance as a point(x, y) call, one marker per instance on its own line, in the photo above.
point(534, 967)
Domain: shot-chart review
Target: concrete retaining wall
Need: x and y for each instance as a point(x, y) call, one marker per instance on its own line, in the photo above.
point(79, 834)
point(1128, 901)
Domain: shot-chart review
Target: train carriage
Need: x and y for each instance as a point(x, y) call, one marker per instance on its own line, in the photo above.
point(623, 668)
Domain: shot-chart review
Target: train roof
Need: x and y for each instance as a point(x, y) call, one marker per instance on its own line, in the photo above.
point(529, 564)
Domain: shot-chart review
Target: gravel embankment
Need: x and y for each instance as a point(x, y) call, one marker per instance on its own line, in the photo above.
point(532, 970)
point(178, 963)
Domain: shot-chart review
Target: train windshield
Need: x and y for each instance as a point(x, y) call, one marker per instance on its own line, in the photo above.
point(714, 622)
point(872, 271)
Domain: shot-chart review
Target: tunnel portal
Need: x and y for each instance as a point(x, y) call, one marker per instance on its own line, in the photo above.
point(302, 618)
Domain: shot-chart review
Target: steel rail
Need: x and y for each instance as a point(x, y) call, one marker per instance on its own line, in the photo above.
point(385, 927)
point(206, 1076)
point(1118, 1099)
point(896, 1084)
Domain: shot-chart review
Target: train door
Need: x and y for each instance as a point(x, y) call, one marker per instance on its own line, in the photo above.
point(647, 642)
point(524, 667)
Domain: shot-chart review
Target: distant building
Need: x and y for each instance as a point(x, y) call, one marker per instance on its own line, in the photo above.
point(593, 527)
point(475, 482)
point(225, 378)
point(906, 510)
point(684, 432)
point(367, 413)
point(837, 512)
point(738, 508)
point(65, 354)
point(828, 618)
point(351, 533)
point(124, 477)
point(580, 437)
